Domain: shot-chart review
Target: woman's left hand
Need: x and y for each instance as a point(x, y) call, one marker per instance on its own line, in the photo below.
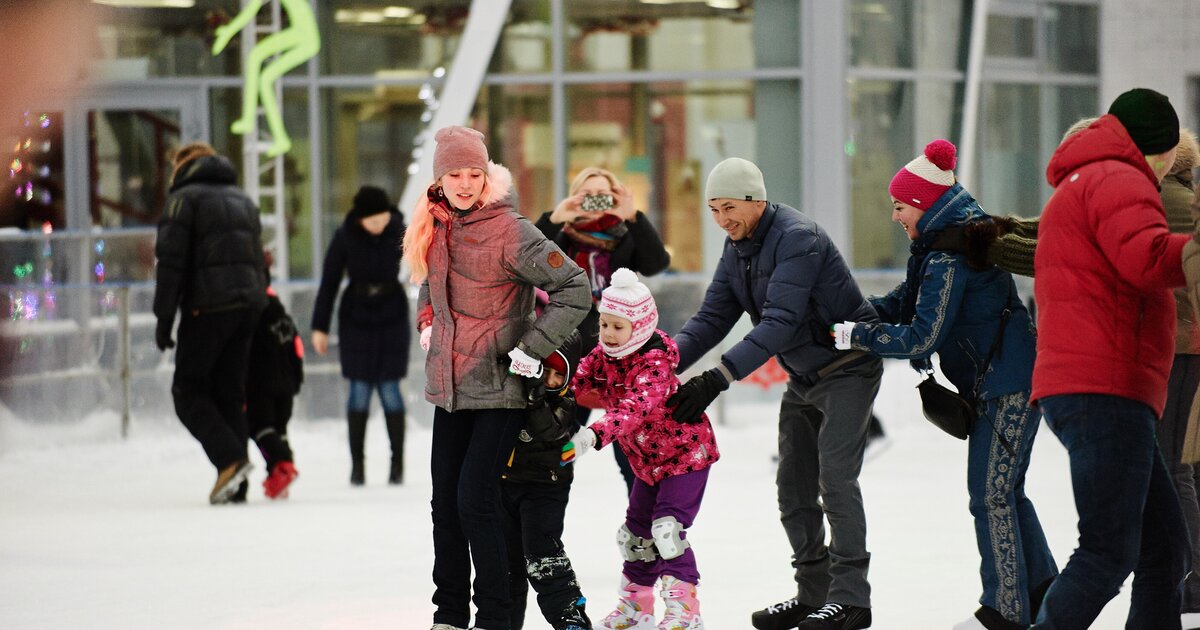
point(624, 204)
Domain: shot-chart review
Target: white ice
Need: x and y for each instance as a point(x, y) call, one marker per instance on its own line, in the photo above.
point(118, 534)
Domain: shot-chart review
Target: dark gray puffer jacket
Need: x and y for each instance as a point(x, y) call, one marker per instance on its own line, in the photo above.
point(209, 247)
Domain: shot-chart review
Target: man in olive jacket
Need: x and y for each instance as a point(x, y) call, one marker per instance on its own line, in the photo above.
point(779, 266)
point(210, 267)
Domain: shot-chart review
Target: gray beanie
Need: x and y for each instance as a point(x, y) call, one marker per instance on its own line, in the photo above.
point(735, 178)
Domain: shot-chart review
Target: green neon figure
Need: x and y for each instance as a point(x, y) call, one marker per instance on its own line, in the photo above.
point(294, 45)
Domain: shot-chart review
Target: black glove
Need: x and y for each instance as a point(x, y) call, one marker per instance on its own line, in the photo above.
point(950, 238)
point(535, 391)
point(162, 335)
point(694, 396)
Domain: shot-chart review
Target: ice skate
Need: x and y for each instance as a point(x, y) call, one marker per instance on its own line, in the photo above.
point(781, 616)
point(228, 480)
point(275, 486)
point(682, 607)
point(635, 610)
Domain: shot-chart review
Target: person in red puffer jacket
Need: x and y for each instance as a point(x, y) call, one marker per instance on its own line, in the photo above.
point(1105, 266)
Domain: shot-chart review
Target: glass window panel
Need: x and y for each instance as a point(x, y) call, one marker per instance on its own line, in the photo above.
point(138, 43)
point(225, 105)
point(415, 37)
point(620, 35)
point(1010, 164)
point(1072, 37)
point(919, 34)
point(32, 187)
point(1010, 36)
point(129, 165)
point(369, 141)
point(892, 121)
point(662, 139)
point(516, 122)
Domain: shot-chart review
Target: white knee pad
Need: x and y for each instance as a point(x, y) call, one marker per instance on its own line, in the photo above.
point(635, 548)
point(666, 531)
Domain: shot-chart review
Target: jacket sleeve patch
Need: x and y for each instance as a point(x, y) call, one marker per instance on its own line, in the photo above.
point(555, 259)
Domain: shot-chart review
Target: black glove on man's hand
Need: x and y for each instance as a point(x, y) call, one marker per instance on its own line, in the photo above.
point(694, 396)
point(162, 336)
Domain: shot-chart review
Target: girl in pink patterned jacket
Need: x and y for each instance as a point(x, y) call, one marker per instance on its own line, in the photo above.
point(633, 371)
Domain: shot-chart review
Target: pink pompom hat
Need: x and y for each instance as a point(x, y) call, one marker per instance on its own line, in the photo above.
point(923, 180)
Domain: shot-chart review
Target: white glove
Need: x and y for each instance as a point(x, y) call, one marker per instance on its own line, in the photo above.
point(524, 365)
point(841, 335)
point(583, 441)
point(426, 336)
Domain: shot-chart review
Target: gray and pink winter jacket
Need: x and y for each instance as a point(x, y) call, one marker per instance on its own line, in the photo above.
point(635, 389)
point(483, 267)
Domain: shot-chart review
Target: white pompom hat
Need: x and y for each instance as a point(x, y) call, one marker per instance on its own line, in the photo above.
point(629, 299)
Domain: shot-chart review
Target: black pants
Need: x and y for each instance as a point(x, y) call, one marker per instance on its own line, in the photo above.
point(210, 381)
point(267, 416)
point(533, 527)
point(470, 449)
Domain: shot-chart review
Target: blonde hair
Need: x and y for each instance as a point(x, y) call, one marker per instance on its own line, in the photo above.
point(1080, 125)
point(189, 152)
point(590, 172)
point(418, 236)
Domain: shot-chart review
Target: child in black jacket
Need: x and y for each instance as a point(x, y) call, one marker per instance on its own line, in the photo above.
point(273, 379)
point(534, 493)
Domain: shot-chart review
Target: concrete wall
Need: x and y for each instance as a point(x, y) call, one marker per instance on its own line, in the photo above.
point(1154, 44)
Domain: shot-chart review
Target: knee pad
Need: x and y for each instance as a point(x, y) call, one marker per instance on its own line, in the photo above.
point(667, 539)
point(635, 548)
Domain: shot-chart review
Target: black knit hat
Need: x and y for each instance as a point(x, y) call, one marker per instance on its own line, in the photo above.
point(1149, 118)
point(370, 200)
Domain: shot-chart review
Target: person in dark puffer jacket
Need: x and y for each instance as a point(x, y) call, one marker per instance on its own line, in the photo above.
point(210, 267)
point(534, 493)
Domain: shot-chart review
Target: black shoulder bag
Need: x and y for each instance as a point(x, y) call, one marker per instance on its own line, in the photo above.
point(947, 409)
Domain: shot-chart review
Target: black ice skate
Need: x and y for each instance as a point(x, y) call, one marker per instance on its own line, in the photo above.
point(782, 616)
point(835, 616)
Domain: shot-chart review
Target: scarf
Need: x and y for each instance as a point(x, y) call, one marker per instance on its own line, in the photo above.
point(592, 244)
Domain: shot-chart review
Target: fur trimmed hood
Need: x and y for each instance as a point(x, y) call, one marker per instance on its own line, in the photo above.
point(1188, 156)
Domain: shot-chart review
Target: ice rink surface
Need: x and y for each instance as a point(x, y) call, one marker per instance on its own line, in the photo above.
point(119, 534)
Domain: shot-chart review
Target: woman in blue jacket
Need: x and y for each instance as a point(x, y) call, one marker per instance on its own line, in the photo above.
point(946, 306)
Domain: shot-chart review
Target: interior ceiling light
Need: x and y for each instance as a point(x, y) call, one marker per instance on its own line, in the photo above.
point(148, 4)
point(397, 13)
point(724, 4)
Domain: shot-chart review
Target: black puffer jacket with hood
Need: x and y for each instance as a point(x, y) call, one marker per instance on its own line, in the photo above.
point(549, 425)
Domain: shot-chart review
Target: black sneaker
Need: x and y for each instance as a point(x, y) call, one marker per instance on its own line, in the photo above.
point(993, 620)
point(781, 616)
point(573, 617)
point(835, 616)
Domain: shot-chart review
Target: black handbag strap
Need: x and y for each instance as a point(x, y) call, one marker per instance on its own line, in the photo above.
point(987, 362)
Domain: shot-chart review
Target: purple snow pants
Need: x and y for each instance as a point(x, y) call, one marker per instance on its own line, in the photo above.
point(677, 496)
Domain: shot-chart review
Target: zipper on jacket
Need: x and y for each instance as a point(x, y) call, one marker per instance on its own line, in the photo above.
point(750, 292)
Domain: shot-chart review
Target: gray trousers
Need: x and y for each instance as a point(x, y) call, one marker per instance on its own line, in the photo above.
point(822, 435)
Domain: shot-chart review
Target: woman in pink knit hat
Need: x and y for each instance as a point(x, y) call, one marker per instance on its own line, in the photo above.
point(983, 336)
point(477, 262)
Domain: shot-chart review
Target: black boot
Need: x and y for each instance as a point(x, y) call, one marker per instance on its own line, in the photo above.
point(358, 436)
point(395, 429)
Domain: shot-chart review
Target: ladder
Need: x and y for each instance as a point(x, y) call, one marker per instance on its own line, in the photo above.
point(256, 166)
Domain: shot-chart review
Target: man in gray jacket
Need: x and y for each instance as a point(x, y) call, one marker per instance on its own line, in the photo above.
point(779, 266)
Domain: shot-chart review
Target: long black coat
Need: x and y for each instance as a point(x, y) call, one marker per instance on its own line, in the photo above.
point(373, 327)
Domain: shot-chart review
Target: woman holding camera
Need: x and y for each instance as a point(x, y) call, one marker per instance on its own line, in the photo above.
point(599, 228)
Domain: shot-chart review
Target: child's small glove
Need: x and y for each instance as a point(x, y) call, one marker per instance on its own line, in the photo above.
point(523, 364)
point(426, 337)
point(582, 442)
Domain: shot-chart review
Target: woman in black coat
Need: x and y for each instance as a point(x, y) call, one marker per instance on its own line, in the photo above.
point(373, 326)
point(599, 228)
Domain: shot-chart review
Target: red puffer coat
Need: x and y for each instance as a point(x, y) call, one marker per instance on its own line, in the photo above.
point(1105, 266)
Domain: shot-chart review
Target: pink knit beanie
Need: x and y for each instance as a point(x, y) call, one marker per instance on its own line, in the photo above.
point(629, 299)
point(458, 147)
point(924, 179)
